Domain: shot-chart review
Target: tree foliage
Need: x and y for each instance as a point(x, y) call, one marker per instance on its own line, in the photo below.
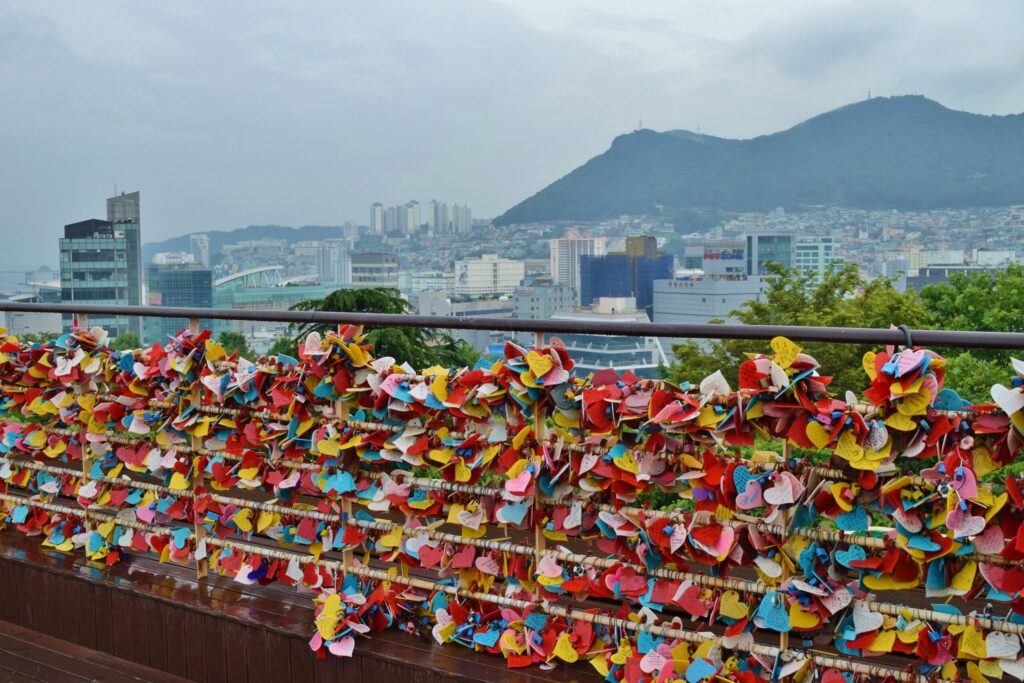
point(235, 342)
point(420, 347)
point(983, 301)
point(842, 299)
point(978, 301)
point(126, 341)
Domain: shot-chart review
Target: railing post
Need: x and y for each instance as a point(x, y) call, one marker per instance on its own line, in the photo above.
point(200, 552)
point(341, 412)
point(539, 539)
point(784, 560)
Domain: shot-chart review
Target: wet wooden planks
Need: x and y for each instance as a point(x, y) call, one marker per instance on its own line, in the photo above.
point(31, 656)
point(160, 616)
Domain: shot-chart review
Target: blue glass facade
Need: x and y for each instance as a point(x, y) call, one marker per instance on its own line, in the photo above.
point(621, 275)
point(186, 285)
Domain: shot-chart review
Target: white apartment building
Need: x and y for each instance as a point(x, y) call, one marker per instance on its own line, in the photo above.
point(565, 257)
point(488, 275)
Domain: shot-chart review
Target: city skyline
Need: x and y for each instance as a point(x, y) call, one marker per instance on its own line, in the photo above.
point(296, 126)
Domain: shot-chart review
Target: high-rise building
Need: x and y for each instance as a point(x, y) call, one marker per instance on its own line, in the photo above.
point(439, 216)
point(334, 263)
point(374, 269)
point(627, 274)
point(461, 218)
point(815, 255)
point(412, 217)
point(101, 263)
point(199, 244)
point(769, 247)
point(565, 257)
point(185, 285)
point(377, 218)
point(488, 275)
point(391, 219)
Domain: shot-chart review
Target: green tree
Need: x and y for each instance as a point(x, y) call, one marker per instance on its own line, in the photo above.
point(982, 301)
point(37, 337)
point(420, 347)
point(126, 341)
point(842, 299)
point(234, 342)
point(285, 345)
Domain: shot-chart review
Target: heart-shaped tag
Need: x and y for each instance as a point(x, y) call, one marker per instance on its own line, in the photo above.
point(864, 620)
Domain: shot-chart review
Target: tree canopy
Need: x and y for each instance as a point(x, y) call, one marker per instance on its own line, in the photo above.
point(981, 301)
point(420, 347)
point(235, 342)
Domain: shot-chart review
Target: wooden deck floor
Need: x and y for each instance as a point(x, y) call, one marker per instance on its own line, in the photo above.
point(30, 656)
point(160, 616)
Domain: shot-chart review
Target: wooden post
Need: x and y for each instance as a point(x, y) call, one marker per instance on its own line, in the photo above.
point(202, 563)
point(347, 562)
point(539, 539)
point(784, 636)
point(81, 321)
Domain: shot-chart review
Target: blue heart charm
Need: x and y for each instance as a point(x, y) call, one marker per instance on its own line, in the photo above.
point(699, 670)
point(854, 520)
point(771, 613)
point(740, 476)
point(852, 554)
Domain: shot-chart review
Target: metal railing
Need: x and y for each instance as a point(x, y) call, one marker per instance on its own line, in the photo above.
point(839, 335)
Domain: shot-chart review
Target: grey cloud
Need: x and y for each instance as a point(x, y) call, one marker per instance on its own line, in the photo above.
point(225, 114)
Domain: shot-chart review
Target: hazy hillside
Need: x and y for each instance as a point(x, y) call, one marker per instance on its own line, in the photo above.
point(904, 152)
point(219, 238)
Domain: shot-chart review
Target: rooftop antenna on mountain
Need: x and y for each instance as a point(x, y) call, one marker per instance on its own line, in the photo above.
point(640, 124)
point(869, 93)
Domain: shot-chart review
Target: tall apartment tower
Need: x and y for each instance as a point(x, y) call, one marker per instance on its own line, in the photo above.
point(565, 257)
point(462, 219)
point(199, 245)
point(100, 263)
point(439, 210)
point(377, 218)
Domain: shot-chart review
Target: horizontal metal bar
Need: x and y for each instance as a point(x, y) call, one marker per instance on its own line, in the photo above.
point(837, 335)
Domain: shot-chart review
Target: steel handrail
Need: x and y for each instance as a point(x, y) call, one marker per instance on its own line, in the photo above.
point(838, 335)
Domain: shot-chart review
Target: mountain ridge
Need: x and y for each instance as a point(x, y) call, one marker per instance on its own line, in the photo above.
point(904, 152)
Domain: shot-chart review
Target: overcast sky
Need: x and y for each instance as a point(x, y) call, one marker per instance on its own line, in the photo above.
point(230, 114)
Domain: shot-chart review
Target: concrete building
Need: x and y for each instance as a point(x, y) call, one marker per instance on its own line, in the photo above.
point(173, 257)
point(24, 322)
point(815, 255)
point(717, 258)
point(410, 221)
point(200, 247)
point(100, 264)
point(566, 253)
point(334, 262)
point(377, 218)
point(170, 284)
point(643, 356)
point(702, 299)
point(542, 301)
point(630, 273)
point(374, 269)
point(439, 217)
point(413, 284)
point(935, 275)
point(462, 219)
point(488, 275)
point(440, 304)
